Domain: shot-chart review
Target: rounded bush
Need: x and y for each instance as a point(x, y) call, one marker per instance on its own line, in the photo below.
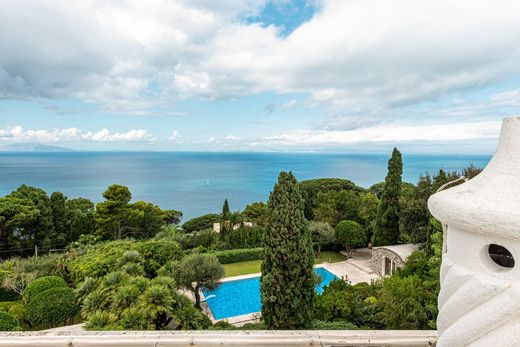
point(52, 307)
point(8, 322)
point(40, 285)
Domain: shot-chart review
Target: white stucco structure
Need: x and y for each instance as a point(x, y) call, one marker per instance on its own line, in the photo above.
point(479, 302)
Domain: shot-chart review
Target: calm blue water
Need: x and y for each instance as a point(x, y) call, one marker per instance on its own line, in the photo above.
point(235, 298)
point(198, 183)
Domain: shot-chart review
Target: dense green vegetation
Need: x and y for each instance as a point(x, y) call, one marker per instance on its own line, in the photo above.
point(287, 281)
point(386, 230)
point(120, 264)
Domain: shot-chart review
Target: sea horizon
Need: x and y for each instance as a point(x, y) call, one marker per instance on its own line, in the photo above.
point(197, 182)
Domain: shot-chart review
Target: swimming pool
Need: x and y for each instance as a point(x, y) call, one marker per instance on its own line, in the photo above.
point(236, 298)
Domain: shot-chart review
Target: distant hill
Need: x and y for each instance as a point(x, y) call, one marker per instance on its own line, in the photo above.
point(33, 147)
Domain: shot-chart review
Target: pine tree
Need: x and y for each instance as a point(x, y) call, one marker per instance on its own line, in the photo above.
point(287, 282)
point(386, 230)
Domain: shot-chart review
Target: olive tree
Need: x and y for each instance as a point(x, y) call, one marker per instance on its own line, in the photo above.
point(321, 233)
point(198, 271)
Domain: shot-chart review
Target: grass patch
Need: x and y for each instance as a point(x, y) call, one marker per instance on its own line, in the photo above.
point(253, 266)
point(330, 257)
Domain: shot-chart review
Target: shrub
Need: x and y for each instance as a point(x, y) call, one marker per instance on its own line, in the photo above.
point(8, 322)
point(19, 311)
point(106, 257)
point(223, 325)
point(17, 273)
point(40, 285)
point(189, 318)
point(236, 255)
point(200, 223)
point(245, 237)
point(8, 295)
point(52, 307)
point(6, 305)
point(157, 253)
point(135, 319)
point(341, 325)
point(101, 321)
point(403, 302)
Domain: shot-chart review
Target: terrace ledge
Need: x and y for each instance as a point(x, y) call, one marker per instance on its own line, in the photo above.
point(351, 338)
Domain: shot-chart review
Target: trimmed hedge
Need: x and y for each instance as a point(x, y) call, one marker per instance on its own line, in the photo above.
point(40, 285)
point(236, 255)
point(8, 322)
point(52, 307)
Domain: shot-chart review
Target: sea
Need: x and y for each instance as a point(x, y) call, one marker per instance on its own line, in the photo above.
point(198, 182)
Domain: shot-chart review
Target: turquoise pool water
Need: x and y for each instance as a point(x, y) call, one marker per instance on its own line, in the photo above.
point(235, 298)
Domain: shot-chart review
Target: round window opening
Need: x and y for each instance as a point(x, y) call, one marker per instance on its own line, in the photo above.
point(501, 256)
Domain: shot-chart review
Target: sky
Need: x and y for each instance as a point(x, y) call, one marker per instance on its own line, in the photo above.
point(430, 76)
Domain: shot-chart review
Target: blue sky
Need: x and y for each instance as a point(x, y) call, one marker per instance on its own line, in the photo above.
point(259, 75)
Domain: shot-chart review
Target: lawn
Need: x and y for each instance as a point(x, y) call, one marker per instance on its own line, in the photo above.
point(253, 266)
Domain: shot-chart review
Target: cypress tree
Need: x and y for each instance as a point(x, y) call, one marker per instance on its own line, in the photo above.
point(225, 211)
point(386, 230)
point(287, 282)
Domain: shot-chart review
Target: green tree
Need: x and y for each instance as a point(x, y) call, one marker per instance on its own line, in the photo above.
point(287, 281)
point(414, 218)
point(172, 217)
point(196, 272)
point(80, 217)
point(368, 203)
point(403, 303)
point(40, 231)
point(201, 223)
point(111, 215)
point(144, 220)
point(333, 207)
point(59, 214)
point(350, 234)
point(321, 233)
point(225, 211)
point(309, 190)
point(256, 213)
point(15, 214)
point(386, 230)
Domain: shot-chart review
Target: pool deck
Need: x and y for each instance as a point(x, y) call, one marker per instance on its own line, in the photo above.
point(356, 270)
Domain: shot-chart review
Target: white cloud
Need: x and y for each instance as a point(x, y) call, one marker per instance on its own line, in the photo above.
point(17, 134)
point(175, 136)
point(104, 135)
point(363, 57)
point(390, 133)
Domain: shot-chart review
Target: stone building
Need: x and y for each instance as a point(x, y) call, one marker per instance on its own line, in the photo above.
point(386, 259)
